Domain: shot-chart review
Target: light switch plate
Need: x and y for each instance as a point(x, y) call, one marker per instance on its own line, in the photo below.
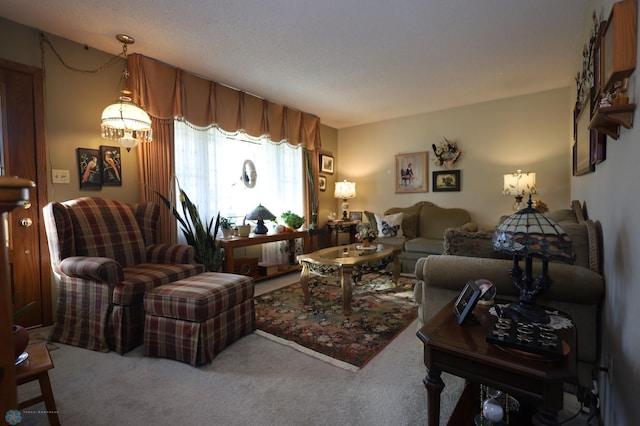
point(60, 176)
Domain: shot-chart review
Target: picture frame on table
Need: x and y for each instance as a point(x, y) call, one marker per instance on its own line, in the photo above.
point(111, 165)
point(411, 172)
point(355, 216)
point(89, 168)
point(326, 163)
point(446, 181)
point(466, 301)
point(322, 183)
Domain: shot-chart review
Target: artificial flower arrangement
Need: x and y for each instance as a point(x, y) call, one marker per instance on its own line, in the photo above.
point(446, 154)
point(366, 233)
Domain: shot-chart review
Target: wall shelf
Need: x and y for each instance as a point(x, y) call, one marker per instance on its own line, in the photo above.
point(608, 120)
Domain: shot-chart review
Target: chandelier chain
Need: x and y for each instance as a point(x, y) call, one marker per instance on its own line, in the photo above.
point(44, 40)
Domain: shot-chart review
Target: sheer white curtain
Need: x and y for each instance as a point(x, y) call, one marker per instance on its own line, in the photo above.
point(209, 162)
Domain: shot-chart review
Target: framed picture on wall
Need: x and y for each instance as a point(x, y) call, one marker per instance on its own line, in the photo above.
point(326, 163)
point(583, 142)
point(411, 172)
point(322, 183)
point(111, 166)
point(89, 168)
point(446, 180)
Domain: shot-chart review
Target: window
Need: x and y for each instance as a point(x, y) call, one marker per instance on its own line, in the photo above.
point(209, 166)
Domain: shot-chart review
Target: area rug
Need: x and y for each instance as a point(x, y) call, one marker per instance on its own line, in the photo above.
point(380, 310)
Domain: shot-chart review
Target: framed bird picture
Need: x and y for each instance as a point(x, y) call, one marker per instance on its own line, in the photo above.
point(89, 168)
point(111, 165)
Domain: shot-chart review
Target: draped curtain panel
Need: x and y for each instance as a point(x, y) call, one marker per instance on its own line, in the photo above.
point(166, 92)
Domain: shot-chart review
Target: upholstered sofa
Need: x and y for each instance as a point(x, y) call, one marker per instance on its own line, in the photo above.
point(422, 226)
point(105, 256)
point(577, 289)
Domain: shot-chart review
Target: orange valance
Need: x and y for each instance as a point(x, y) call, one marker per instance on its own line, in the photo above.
point(166, 92)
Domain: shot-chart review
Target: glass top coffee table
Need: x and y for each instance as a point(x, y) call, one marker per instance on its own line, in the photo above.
point(350, 262)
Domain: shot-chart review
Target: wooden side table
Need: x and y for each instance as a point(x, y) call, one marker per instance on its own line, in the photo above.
point(229, 244)
point(464, 352)
point(338, 226)
point(37, 367)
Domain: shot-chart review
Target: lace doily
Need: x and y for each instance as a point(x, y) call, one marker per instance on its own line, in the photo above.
point(558, 321)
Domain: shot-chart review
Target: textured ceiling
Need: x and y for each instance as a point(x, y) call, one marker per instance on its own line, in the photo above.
point(349, 62)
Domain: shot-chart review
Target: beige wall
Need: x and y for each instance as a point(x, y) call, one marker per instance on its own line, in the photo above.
point(73, 105)
point(612, 196)
point(530, 133)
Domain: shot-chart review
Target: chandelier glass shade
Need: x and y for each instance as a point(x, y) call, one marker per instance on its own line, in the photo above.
point(124, 121)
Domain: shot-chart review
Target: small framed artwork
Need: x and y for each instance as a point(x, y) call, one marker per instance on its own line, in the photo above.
point(89, 168)
point(411, 172)
point(582, 160)
point(322, 183)
point(355, 216)
point(326, 163)
point(447, 180)
point(466, 301)
point(111, 166)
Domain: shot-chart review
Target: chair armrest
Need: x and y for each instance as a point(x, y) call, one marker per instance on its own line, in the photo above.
point(170, 253)
point(93, 268)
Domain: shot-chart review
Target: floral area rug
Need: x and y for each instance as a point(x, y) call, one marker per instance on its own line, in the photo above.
point(379, 312)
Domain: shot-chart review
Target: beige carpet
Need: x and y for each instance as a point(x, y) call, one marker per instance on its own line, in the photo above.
point(253, 382)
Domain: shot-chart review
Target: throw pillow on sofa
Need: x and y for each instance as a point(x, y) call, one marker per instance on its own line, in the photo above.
point(389, 225)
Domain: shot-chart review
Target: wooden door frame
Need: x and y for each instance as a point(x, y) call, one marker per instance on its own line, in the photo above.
point(41, 181)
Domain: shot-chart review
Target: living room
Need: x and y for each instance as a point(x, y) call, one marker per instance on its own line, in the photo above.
point(532, 132)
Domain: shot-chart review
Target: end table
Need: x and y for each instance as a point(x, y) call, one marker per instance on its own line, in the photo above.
point(338, 226)
point(462, 350)
point(36, 367)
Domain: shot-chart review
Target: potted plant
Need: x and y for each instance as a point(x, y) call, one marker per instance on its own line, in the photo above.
point(292, 220)
point(227, 227)
point(201, 236)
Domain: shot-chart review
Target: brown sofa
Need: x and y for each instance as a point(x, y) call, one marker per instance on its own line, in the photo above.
point(577, 289)
point(423, 227)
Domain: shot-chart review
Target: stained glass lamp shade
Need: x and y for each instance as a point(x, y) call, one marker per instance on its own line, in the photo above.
point(260, 213)
point(527, 234)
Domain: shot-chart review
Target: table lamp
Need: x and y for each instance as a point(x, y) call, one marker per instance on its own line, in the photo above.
point(519, 184)
point(260, 213)
point(345, 190)
point(526, 234)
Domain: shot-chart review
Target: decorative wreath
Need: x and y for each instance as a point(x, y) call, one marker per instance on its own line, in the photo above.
point(446, 154)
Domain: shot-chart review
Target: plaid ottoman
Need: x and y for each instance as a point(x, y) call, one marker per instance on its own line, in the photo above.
point(194, 319)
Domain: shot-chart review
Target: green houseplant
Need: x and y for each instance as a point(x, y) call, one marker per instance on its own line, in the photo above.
point(227, 226)
point(292, 220)
point(200, 235)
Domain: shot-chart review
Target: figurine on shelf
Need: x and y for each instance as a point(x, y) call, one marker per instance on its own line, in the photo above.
point(619, 94)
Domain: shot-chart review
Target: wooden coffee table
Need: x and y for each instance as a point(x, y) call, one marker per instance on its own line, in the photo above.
point(349, 261)
point(463, 352)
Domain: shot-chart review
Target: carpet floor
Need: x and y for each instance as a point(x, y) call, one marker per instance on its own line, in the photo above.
point(255, 381)
point(380, 310)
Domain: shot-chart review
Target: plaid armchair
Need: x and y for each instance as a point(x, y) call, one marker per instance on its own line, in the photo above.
point(105, 256)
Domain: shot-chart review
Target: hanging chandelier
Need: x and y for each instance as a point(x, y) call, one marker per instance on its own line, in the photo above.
point(123, 121)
